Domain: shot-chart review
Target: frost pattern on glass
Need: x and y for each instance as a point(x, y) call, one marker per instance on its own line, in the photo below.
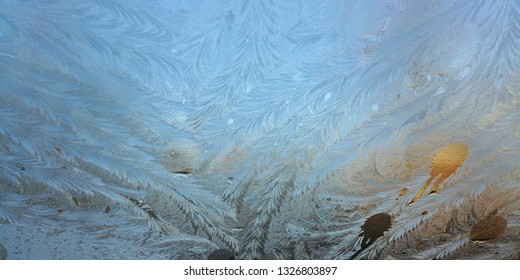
point(263, 129)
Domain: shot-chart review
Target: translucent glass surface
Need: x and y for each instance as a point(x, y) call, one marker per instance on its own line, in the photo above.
point(286, 129)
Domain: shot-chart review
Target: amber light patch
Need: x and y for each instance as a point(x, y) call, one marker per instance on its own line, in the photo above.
point(402, 192)
point(444, 163)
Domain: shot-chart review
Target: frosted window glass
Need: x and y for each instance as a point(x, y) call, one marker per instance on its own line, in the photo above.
point(291, 129)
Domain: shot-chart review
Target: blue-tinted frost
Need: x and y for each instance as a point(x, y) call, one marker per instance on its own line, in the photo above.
point(269, 128)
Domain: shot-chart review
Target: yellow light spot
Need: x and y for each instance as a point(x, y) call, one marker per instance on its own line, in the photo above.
point(444, 163)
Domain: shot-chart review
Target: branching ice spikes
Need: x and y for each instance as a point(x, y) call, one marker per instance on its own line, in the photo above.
point(262, 211)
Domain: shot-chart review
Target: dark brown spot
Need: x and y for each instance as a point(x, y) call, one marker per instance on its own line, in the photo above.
point(107, 210)
point(424, 213)
point(489, 228)
point(375, 226)
point(58, 150)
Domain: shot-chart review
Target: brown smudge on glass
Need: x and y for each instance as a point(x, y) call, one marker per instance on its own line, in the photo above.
point(444, 163)
point(373, 228)
point(488, 228)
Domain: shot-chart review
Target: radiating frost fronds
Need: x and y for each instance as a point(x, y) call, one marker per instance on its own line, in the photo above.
point(263, 129)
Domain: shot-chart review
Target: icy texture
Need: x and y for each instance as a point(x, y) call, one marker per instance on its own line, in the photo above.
point(170, 129)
